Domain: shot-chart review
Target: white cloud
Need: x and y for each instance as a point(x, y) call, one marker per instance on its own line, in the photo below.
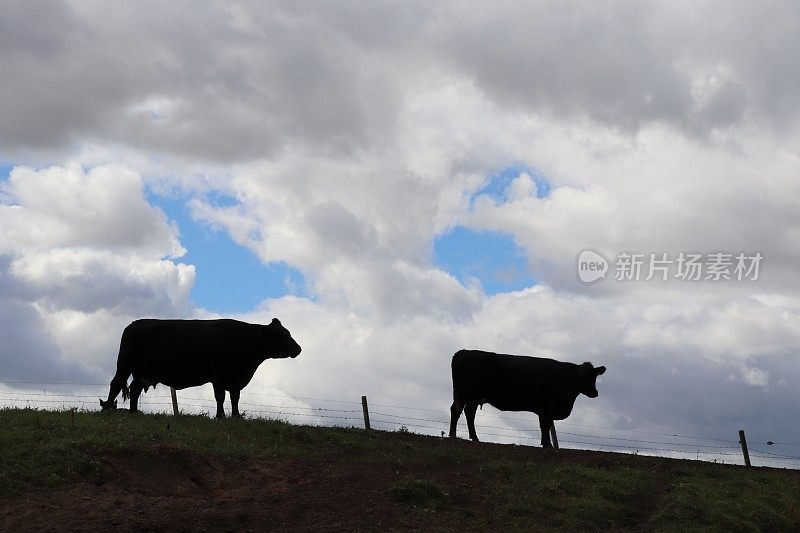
point(669, 364)
point(666, 193)
point(752, 376)
point(64, 206)
point(88, 280)
point(82, 253)
point(661, 191)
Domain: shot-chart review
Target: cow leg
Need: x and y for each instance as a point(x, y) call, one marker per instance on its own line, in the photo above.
point(545, 424)
point(455, 414)
point(235, 403)
point(219, 395)
point(469, 412)
point(136, 390)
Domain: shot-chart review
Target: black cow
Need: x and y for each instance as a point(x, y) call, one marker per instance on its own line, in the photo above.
point(518, 383)
point(188, 353)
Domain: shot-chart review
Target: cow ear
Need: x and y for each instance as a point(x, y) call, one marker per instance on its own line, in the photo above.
point(275, 321)
point(600, 370)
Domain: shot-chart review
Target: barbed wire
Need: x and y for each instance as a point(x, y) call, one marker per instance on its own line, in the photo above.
point(693, 445)
point(589, 443)
point(674, 435)
point(55, 383)
point(771, 454)
point(10, 393)
point(407, 408)
point(160, 402)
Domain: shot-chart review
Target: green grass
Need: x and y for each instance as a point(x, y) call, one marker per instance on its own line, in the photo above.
point(419, 492)
point(439, 481)
point(49, 448)
point(704, 498)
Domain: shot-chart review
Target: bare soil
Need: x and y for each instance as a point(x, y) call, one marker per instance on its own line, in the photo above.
point(166, 489)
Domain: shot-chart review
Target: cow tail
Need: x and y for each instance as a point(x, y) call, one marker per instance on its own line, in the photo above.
point(125, 391)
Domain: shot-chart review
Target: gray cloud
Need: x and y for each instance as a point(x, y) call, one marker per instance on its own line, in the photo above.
point(29, 353)
point(338, 229)
point(628, 65)
point(600, 61)
point(712, 399)
point(216, 83)
point(232, 82)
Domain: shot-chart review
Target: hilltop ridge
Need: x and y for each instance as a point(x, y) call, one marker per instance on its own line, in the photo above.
point(101, 470)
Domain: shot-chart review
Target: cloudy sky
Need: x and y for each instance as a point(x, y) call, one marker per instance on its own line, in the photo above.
point(396, 181)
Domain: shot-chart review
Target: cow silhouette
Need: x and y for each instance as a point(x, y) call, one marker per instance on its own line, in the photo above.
point(546, 387)
point(189, 353)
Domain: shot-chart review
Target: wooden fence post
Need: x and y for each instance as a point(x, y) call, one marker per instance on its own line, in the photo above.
point(743, 442)
point(174, 401)
point(553, 436)
point(366, 411)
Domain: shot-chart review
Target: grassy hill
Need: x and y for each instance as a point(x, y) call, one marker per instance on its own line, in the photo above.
point(60, 470)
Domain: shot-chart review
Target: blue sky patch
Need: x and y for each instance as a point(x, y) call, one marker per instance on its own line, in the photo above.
point(497, 184)
point(5, 173)
point(491, 257)
point(221, 200)
point(5, 169)
point(229, 277)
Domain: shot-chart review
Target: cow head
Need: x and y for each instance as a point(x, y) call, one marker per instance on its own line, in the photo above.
point(108, 404)
point(280, 342)
point(588, 378)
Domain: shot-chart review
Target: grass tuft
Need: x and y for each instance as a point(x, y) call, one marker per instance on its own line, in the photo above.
point(419, 492)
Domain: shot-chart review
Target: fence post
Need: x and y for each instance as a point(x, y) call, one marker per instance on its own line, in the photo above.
point(743, 442)
point(366, 411)
point(553, 436)
point(174, 401)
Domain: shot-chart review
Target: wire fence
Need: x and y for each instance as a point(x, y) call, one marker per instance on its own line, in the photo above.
point(496, 426)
